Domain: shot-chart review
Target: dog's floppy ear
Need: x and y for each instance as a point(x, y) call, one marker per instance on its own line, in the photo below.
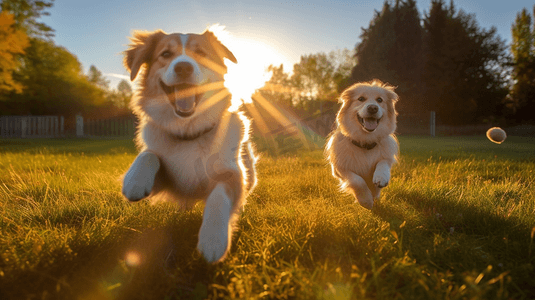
point(393, 97)
point(220, 49)
point(392, 103)
point(140, 51)
point(348, 93)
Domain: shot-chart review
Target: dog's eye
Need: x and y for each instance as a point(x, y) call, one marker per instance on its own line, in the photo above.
point(379, 100)
point(361, 99)
point(200, 52)
point(166, 54)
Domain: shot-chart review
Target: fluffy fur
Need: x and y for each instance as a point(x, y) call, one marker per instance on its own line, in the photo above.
point(191, 147)
point(363, 147)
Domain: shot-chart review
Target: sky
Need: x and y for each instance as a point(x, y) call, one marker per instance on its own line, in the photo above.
point(263, 32)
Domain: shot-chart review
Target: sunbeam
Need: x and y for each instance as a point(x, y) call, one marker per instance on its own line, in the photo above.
point(244, 79)
point(278, 88)
point(250, 73)
point(289, 124)
point(212, 100)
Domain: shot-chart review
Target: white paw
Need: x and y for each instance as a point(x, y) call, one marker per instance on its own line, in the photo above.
point(137, 185)
point(213, 242)
point(380, 180)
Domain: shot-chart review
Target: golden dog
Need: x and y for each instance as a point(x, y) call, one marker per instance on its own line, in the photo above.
point(363, 147)
point(192, 148)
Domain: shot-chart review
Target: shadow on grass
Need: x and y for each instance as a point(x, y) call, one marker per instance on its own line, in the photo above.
point(149, 263)
point(169, 264)
point(69, 146)
point(452, 235)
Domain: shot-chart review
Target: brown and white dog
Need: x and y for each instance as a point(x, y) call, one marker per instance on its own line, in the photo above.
point(191, 147)
point(363, 147)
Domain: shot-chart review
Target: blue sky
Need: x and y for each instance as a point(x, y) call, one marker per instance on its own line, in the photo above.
point(97, 31)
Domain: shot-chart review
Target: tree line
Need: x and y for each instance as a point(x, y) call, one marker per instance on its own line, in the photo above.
point(38, 77)
point(442, 61)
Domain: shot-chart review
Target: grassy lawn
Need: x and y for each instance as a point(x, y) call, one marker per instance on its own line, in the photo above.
point(456, 222)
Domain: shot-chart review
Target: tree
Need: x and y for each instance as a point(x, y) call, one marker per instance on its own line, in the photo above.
point(125, 93)
point(343, 60)
point(522, 94)
point(390, 50)
point(12, 44)
point(314, 84)
point(55, 83)
point(26, 13)
point(372, 53)
point(96, 77)
point(463, 66)
point(313, 78)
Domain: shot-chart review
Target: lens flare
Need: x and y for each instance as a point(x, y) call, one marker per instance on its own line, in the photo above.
point(132, 259)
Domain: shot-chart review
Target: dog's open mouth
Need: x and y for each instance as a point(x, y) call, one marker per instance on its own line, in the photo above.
point(369, 124)
point(183, 97)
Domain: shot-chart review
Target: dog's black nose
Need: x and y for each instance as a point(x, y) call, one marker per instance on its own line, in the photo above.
point(373, 109)
point(183, 69)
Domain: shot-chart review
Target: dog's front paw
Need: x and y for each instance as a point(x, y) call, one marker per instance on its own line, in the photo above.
point(380, 180)
point(137, 186)
point(213, 243)
point(365, 201)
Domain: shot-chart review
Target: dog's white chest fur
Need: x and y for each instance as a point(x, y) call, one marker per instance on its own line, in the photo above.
point(358, 160)
point(193, 167)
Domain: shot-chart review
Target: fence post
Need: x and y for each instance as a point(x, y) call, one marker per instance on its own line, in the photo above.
point(79, 126)
point(432, 123)
point(55, 129)
point(61, 124)
point(24, 126)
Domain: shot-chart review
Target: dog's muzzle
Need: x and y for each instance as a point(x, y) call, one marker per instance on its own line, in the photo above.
point(369, 123)
point(183, 97)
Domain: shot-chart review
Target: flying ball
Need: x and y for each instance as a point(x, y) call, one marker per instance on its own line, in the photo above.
point(496, 135)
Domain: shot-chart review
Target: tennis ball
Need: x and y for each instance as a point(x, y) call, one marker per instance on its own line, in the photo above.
point(496, 135)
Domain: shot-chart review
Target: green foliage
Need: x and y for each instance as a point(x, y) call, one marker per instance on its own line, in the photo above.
point(450, 65)
point(27, 12)
point(54, 83)
point(456, 222)
point(522, 98)
point(47, 79)
point(463, 72)
point(312, 77)
point(123, 94)
point(278, 88)
point(391, 50)
point(12, 45)
point(95, 77)
point(314, 85)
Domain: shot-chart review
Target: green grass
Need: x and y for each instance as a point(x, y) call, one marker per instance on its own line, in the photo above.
point(456, 222)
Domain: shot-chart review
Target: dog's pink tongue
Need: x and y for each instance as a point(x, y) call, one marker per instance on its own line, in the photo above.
point(185, 104)
point(184, 101)
point(370, 123)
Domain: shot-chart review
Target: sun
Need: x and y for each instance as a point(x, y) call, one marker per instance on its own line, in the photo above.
point(250, 73)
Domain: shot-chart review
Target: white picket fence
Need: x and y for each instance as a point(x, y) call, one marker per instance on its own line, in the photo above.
point(54, 127)
point(31, 126)
point(94, 128)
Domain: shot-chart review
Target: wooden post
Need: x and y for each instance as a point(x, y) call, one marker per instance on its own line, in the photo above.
point(432, 124)
point(56, 126)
